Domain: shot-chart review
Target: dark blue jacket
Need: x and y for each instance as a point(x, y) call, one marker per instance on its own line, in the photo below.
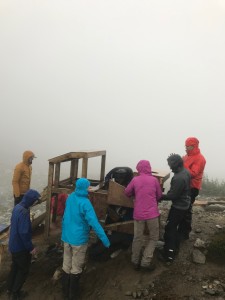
point(20, 238)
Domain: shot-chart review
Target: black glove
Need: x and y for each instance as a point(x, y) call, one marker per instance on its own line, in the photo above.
point(164, 197)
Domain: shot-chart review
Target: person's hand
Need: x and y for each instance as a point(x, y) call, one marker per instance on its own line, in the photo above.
point(34, 252)
point(164, 197)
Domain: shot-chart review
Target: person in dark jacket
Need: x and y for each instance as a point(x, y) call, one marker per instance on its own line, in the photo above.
point(79, 217)
point(20, 243)
point(179, 194)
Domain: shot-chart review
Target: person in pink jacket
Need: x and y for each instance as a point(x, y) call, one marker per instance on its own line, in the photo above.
point(146, 191)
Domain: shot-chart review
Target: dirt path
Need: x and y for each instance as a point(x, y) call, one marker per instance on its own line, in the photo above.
point(116, 279)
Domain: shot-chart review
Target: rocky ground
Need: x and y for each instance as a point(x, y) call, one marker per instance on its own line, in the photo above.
point(197, 273)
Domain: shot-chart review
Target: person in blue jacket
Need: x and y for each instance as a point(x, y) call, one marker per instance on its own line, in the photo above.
point(20, 243)
point(79, 217)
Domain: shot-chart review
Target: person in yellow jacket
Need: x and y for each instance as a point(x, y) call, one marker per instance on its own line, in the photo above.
point(22, 176)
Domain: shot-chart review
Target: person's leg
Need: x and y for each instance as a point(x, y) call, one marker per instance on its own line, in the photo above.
point(78, 261)
point(67, 265)
point(67, 258)
point(171, 235)
point(137, 242)
point(22, 261)
point(17, 200)
point(185, 226)
point(12, 275)
point(153, 228)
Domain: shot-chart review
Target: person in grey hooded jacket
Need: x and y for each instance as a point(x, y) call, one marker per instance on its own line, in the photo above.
point(179, 194)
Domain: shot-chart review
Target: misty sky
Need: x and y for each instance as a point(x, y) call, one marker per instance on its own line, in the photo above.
point(135, 78)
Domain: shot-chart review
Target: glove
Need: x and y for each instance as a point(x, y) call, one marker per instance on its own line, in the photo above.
point(164, 197)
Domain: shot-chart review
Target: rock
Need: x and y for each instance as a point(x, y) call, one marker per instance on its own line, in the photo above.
point(219, 227)
point(198, 230)
point(198, 257)
point(134, 295)
point(139, 294)
point(145, 293)
point(215, 207)
point(199, 243)
point(128, 293)
point(210, 292)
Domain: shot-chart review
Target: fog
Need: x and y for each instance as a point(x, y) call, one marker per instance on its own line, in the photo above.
point(134, 78)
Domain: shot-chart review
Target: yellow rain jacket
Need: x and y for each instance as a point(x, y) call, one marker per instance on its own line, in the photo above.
point(22, 175)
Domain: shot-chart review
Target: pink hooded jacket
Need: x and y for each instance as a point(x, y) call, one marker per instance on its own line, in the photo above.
point(146, 190)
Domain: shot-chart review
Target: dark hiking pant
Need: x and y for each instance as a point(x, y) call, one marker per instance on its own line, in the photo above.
point(185, 226)
point(19, 271)
point(17, 200)
point(171, 236)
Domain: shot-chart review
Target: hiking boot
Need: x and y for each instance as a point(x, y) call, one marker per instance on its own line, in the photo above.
point(161, 255)
point(151, 267)
point(136, 266)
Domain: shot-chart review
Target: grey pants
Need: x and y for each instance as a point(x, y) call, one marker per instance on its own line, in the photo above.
point(74, 258)
point(141, 241)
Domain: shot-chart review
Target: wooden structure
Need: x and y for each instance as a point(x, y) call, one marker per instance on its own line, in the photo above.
point(101, 199)
point(57, 186)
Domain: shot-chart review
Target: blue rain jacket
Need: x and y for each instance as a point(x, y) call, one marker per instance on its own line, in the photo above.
point(79, 216)
point(20, 237)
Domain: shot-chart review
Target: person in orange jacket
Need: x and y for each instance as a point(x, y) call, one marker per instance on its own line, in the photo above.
point(195, 163)
point(22, 176)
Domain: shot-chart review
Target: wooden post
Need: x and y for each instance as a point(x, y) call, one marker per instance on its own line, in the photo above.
point(48, 201)
point(74, 170)
point(84, 167)
point(102, 174)
point(57, 175)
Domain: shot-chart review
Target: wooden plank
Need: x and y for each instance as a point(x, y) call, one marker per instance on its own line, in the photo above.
point(201, 202)
point(116, 195)
point(74, 170)
point(125, 227)
point(57, 174)
point(79, 154)
point(48, 200)
point(84, 167)
point(99, 202)
point(102, 172)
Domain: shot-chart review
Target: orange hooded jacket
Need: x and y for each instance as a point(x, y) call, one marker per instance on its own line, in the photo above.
point(22, 175)
point(194, 162)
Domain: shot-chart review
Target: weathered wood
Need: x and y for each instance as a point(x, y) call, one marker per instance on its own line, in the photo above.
point(99, 202)
point(74, 170)
point(116, 195)
point(84, 167)
point(125, 227)
point(48, 201)
point(57, 174)
point(102, 172)
point(38, 220)
point(80, 154)
point(201, 202)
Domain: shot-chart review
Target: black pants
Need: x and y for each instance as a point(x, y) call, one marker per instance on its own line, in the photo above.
point(19, 271)
point(185, 226)
point(171, 236)
point(18, 199)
